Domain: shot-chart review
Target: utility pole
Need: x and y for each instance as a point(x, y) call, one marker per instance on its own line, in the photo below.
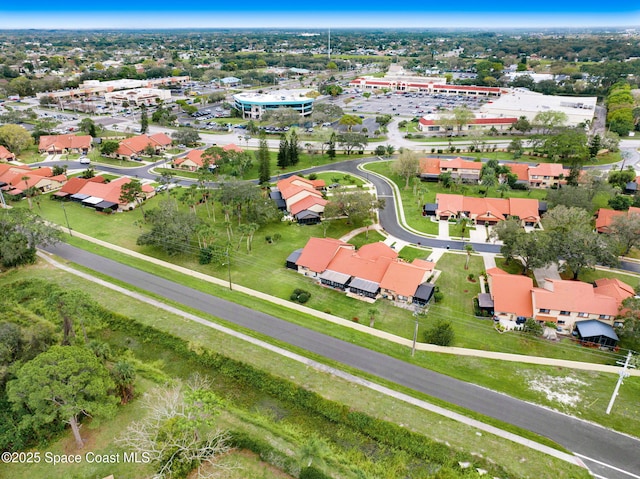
point(65, 217)
point(416, 314)
point(623, 374)
point(229, 268)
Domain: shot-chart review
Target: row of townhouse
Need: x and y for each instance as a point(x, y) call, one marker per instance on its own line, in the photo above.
point(301, 198)
point(373, 271)
point(561, 302)
point(100, 194)
point(485, 211)
point(543, 175)
point(6, 155)
point(605, 216)
point(16, 180)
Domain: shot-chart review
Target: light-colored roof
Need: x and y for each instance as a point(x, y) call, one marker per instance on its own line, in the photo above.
point(547, 169)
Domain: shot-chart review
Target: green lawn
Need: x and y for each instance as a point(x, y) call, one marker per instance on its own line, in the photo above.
point(420, 193)
point(366, 238)
point(331, 177)
point(254, 412)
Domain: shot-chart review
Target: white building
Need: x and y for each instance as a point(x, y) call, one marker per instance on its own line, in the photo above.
point(138, 96)
point(519, 102)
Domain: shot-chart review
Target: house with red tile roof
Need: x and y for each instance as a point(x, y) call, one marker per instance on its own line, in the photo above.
point(561, 302)
point(16, 179)
point(136, 145)
point(487, 211)
point(467, 171)
point(605, 216)
point(192, 161)
point(6, 155)
point(58, 144)
point(547, 175)
point(106, 196)
point(301, 197)
point(372, 271)
point(75, 184)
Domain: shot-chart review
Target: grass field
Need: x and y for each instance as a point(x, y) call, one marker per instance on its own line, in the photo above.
point(521, 462)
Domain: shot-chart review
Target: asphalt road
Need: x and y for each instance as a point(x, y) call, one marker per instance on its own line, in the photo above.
point(594, 442)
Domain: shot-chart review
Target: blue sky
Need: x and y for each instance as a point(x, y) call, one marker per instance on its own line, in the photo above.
point(320, 14)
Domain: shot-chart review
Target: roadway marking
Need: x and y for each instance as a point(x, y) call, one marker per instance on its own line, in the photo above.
point(630, 474)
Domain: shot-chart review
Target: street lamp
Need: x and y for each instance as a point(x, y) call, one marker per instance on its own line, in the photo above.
point(416, 315)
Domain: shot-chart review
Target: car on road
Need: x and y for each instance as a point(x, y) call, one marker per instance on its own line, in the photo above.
point(84, 160)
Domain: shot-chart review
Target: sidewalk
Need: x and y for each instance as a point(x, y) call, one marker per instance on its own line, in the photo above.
point(328, 369)
point(361, 327)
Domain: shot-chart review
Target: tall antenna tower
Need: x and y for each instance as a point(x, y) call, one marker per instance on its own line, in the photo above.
point(329, 46)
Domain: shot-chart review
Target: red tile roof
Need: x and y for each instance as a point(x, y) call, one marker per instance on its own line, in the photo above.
point(137, 144)
point(459, 163)
point(604, 217)
point(573, 296)
point(109, 191)
point(232, 147)
point(194, 155)
point(318, 253)
point(488, 208)
point(521, 170)
point(352, 263)
point(614, 288)
point(511, 293)
point(404, 278)
point(64, 142)
point(375, 250)
point(306, 203)
point(75, 184)
point(547, 169)
point(6, 154)
point(430, 166)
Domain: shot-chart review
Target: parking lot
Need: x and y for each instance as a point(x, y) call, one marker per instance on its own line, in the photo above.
point(406, 104)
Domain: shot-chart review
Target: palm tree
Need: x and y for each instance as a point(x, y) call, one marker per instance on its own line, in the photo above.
point(315, 449)
point(373, 312)
point(469, 249)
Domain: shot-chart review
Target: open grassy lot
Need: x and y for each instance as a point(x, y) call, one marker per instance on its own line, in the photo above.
point(331, 177)
point(519, 461)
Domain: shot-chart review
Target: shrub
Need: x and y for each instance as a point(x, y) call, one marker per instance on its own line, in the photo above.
point(312, 473)
point(268, 239)
point(303, 298)
point(300, 295)
point(438, 296)
point(313, 176)
point(471, 277)
point(441, 334)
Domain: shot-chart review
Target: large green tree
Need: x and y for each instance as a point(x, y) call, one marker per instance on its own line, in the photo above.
point(20, 233)
point(171, 228)
point(406, 165)
point(63, 384)
point(15, 138)
point(264, 160)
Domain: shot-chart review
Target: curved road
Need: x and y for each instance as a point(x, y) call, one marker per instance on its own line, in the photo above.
point(594, 444)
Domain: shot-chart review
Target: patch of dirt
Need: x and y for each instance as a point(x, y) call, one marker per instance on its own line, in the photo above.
point(563, 390)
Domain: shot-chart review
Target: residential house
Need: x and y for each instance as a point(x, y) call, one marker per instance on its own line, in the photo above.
point(6, 155)
point(16, 179)
point(561, 302)
point(59, 144)
point(300, 197)
point(465, 170)
point(106, 196)
point(547, 175)
point(605, 216)
point(137, 145)
point(372, 271)
point(74, 185)
point(485, 211)
point(192, 161)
